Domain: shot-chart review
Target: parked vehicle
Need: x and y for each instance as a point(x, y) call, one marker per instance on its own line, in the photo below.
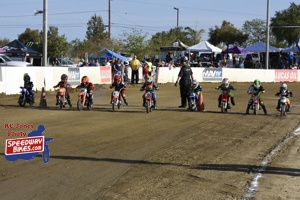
point(25, 97)
point(83, 100)
point(9, 62)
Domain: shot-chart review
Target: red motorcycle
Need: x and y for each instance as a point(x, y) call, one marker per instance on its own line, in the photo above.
point(83, 100)
point(117, 98)
point(225, 100)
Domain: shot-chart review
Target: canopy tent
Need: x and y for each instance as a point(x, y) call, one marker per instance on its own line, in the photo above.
point(18, 49)
point(235, 49)
point(175, 46)
point(260, 47)
point(106, 53)
point(205, 46)
point(292, 48)
point(2, 50)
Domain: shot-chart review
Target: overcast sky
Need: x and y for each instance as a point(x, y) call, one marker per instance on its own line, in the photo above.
point(71, 16)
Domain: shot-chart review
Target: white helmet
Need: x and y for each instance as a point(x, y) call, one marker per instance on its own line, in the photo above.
point(283, 86)
point(185, 58)
point(194, 84)
point(225, 82)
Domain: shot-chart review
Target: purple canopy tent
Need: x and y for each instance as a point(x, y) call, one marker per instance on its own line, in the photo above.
point(2, 50)
point(235, 49)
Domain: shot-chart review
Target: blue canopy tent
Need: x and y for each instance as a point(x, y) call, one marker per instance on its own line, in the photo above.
point(106, 53)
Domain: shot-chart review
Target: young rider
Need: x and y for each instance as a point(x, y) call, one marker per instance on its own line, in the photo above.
point(118, 85)
point(28, 85)
point(256, 88)
point(85, 83)
point(195, 88)
point(63, 83)
point(284, 92)
point(226, 87)
point(149, 85)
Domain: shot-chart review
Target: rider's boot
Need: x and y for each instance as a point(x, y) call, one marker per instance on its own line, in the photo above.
point(69, 102)
point(56, 101)
point(265, 110)
point(248, 108)
point(144, 102)
point(219, 105)
point(154, 104)
point(278, 106)
point(228, 105)
point(232, 101)
point(125, 101)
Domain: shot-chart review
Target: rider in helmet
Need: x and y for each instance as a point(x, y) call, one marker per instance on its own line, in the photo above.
point(283, 90)
point(118, 85)
point(28, 85)
point(85, 83)
point(195, 88)
point(226, 86)
point(63, 83)
point(149, 85)
point(255, 88)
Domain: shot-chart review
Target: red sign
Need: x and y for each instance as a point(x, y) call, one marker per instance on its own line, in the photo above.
point(105, 74)
point(286, 75)
point(24, 145)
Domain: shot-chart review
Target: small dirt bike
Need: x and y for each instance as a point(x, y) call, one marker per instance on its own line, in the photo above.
point(254, 102)
point(193, 101)
point(25, 97)
point(225, 100)
point(83, 100)
point(149, 105)
point(62, 99)
point(284, 106)
point(117, 98)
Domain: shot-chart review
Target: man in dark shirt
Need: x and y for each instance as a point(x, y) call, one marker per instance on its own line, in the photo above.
point(185, 77)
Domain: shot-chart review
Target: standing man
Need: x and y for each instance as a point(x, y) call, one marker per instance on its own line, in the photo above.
point(185, 78)
point(150, 66)
point(135, 65)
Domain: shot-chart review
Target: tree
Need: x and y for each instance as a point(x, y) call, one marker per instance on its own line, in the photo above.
point(96, 28)
point(135, 43)
point(193, 35)
point(32, 39)
point(286, 25)
point(57, 45)
point(4, 41)
point(227, 34)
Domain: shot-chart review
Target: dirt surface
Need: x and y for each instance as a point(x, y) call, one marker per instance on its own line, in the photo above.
point(169, 153)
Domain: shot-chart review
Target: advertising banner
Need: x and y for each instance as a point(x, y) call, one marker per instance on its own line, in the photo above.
point(74, 76)
point(211, 74)
point(286, 75)
point(105, 74)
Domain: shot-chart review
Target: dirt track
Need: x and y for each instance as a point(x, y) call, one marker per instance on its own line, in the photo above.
point(167, 154)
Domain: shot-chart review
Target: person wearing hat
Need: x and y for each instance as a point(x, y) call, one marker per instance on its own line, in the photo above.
point(185, 78)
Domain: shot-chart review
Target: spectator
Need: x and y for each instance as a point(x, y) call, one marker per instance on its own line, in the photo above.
point(97, 62)
point(171, 64)
point(80, 64)
point(135, 65)
point(241, 63)
point(92, 63)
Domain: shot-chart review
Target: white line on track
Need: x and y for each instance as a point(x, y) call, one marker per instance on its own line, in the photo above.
point(254, 184)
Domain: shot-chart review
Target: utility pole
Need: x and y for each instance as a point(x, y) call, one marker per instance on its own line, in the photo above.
point(268, 35)
point(177, 20)
point(109, 19)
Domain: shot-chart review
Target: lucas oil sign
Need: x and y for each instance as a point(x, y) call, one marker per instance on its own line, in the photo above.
point(210, 74)
point(286, 75)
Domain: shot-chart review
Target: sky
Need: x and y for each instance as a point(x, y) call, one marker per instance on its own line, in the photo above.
point(149, 16)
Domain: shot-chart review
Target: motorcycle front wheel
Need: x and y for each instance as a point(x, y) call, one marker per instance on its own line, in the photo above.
point(255, 109)
point(79, 105)
point(223, 107)
point(283, 110)
point(21, 101)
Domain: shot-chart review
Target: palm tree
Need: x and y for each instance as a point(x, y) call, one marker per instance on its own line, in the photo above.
point(194, 35)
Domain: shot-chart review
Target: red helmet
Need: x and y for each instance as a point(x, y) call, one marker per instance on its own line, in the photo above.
point(117, 78)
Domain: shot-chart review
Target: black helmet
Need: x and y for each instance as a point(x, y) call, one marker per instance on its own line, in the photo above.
point(64, 76)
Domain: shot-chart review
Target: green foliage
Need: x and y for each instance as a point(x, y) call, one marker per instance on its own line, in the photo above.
point(286, 25)
point(135, 43)
point(32, 35)
point(96, 28)
point(193, 35)
point(4, 41)
point(57, 45)
point(227, 34)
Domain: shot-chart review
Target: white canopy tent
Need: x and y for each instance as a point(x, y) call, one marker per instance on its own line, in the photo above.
point(205, 47)
point(260, 47)
point(292, 48)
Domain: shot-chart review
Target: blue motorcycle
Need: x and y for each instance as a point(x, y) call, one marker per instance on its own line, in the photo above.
point(25, 97)
point(193, 101)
